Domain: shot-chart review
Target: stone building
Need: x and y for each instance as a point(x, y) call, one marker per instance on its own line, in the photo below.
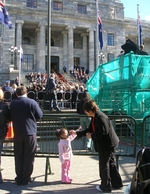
point(73, 35)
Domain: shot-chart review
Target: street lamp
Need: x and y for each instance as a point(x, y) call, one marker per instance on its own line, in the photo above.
point(13, 51)
point(101, 56)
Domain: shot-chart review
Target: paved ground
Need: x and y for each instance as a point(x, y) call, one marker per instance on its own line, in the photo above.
point(84, 171)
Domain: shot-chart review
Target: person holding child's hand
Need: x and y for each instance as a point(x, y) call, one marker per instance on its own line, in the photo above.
point(105, 142)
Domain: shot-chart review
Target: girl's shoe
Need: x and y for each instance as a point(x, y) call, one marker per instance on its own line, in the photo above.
point(70, 179)
point(69, 182)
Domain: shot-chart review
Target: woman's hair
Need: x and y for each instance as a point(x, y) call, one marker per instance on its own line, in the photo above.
point(60, 132)
point(14, 86)
point(90, 105)
point(1, 94)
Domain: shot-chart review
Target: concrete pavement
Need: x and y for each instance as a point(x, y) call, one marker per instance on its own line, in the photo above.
point(84, 171)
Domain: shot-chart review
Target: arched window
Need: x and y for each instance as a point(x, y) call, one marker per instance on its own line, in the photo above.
point(26, 40)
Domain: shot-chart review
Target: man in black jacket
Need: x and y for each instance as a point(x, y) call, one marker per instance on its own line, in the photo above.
point(24, 114)
point(50, 89)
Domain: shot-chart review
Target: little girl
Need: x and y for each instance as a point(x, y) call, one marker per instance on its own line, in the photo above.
point(65, 152)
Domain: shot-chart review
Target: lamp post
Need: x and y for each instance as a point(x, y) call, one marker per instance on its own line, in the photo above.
point(101, 56)
point(13, 51)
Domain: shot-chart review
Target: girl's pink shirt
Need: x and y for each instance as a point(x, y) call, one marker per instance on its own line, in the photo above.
point(65, 149)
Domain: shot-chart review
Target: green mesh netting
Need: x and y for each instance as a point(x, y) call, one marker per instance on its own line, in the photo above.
point(122, 86)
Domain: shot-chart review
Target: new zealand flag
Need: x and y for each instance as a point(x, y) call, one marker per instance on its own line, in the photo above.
point(100, 33)
point(140, 30)
point(21, 54)
point(4, 16)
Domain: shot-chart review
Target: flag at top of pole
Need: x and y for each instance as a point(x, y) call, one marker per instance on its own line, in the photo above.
point(21, 54)
point(20, 62)
point(100, 33)
point(139, 27)
point(4, 16)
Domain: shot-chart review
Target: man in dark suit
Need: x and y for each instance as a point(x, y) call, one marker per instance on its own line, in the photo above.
point(24, 113)
point(50, 88)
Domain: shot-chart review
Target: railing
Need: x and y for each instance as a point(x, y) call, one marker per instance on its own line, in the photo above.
point(145, 131)
point(47, 143)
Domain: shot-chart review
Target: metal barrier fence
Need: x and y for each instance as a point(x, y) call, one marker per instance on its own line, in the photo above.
point(47, 143)
point(146, 131)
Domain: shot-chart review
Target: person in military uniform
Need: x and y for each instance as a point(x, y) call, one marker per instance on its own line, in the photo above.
point(7, 87)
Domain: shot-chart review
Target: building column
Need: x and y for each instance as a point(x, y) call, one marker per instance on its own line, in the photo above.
point(65, 50)
point(18, 39)
point(70, 48)
point(85, 56)
point(91, 51)
point(41, 48)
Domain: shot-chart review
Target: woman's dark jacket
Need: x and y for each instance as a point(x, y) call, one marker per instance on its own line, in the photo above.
point(104, 137)
point(4, 118)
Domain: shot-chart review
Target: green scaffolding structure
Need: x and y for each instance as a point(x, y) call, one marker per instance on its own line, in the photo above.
point(122, 86)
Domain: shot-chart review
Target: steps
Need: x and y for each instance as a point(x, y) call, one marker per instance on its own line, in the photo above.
point(70, 78)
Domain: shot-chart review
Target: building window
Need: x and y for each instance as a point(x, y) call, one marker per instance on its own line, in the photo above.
point(32, 3)
point(110, 39)
point(81, 9)
point(26, 40)
point(28, 62)
point(110, 57)
point(57, 6)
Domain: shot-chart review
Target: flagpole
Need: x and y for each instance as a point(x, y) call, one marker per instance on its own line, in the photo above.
point(19, 72)
point(49, 40)
point(138, 29)
point(20, 66)
point(97, 36)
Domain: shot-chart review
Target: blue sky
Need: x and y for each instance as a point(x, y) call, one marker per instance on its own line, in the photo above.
point(130, 8)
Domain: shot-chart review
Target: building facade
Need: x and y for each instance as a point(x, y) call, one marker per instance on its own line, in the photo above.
point(73, 35)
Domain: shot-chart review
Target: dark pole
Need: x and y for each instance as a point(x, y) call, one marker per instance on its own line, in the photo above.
point(15, 60)
point(49, 40)
point(12, 55)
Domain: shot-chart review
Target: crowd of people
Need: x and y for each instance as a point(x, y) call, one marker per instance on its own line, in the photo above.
point(36, 82)
point(39, 82)
point(80, 74)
